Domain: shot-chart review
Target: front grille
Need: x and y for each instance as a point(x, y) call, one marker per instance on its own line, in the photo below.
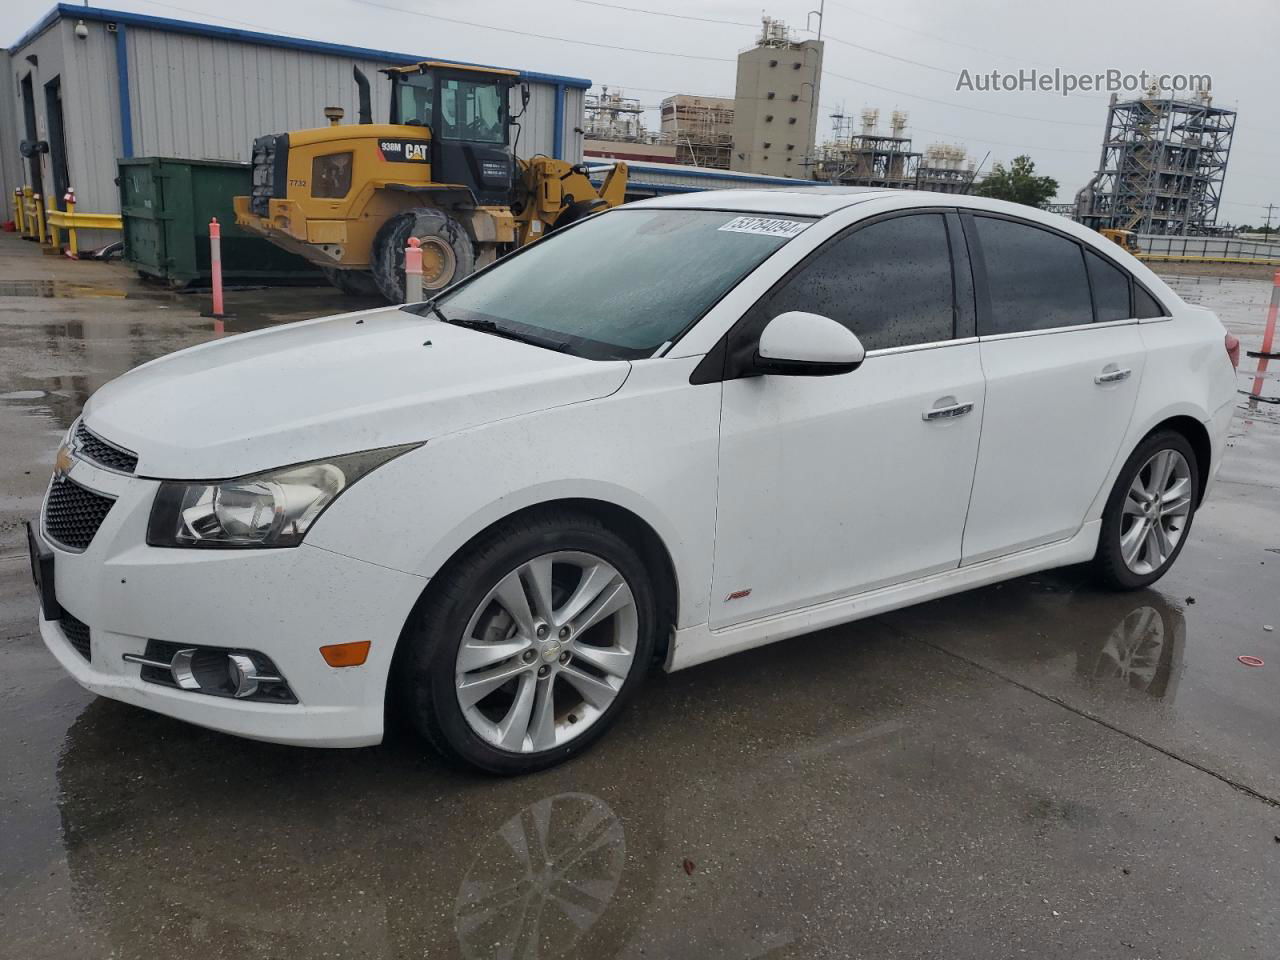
point(94, 448)
point(72, 514)
point(77, 634)
point(270, 171)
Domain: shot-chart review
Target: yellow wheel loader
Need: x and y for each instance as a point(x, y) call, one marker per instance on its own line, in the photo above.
point(1125, 238)
point(348, 197)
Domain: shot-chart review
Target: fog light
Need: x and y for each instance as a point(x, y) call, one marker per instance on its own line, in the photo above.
point(244, 676)
point(215, 671)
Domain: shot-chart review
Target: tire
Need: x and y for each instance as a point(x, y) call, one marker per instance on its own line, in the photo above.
point(463, 604)
point(1123, 516)
point(579, 210)
point(354, 283)
point(448, 254)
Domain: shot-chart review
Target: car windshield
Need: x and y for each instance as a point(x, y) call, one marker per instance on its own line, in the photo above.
point(620, 285)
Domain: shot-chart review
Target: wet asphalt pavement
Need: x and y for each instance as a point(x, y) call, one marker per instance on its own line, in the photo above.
point(1034, 769)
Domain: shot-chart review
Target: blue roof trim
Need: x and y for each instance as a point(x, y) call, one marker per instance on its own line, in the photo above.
point(126, 102)
point(102, 14)
point(640, 166)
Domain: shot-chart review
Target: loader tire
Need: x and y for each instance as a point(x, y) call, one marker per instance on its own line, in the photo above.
point(578, 210)
point(354, 283)
point(447, 252)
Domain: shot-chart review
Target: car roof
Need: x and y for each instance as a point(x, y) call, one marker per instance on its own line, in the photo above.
point(799, 201)
point(821, 201)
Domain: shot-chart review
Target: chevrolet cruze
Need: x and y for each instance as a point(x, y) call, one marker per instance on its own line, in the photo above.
point(676, 430)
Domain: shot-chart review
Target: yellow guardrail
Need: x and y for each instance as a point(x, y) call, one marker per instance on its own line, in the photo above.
point(33, 220)
point(1175, 258)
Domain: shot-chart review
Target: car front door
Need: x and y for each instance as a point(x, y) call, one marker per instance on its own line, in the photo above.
point(834, 485)
point(1061, 386)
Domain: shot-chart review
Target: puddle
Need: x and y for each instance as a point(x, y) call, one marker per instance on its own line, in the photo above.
point(1236, 300)
point(58, 288)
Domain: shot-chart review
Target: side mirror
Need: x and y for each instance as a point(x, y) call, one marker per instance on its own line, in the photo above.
point(524, 93)
point(802, 344)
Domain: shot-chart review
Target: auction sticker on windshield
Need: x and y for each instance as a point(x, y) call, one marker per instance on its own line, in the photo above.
point(765, 226)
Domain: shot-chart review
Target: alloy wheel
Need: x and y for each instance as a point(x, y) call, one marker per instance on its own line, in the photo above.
point(1157, 508)
point(546, 652)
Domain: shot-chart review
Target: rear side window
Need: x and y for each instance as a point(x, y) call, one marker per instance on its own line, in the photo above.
point(1036, 279)
point(1110, 289)
point(1145, 306)
point(889, 282)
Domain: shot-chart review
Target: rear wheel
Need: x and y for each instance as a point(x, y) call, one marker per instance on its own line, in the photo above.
point(1148, 515)
point(447, 252)
point(531, 644)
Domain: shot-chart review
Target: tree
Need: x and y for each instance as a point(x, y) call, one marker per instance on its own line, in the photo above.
point(1018, 183)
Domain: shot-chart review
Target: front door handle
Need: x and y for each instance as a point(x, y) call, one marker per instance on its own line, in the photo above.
point(1112, 374)
point(947, 412)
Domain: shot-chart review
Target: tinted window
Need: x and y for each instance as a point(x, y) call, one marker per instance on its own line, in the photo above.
point(1036, 278)
point(890, 282)
point(1110, 289)
point(1145, 305)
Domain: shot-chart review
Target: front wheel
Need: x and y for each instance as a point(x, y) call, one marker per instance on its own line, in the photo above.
point(447, 252)
point(1148, 515)
point(530, 644)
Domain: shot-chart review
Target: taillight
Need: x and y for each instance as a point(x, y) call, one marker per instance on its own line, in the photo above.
point(1232, 343)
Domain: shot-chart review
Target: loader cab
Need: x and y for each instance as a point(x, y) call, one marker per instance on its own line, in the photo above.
point(466, 112)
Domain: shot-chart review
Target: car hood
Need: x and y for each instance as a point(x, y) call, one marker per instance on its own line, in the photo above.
point(325, 387)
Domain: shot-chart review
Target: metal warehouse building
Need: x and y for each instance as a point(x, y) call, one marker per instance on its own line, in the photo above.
point(129, 85)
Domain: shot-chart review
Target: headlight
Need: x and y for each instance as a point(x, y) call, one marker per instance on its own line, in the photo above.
point(271, 509)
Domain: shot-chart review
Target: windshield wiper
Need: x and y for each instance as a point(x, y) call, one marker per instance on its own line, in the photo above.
point(489, 326)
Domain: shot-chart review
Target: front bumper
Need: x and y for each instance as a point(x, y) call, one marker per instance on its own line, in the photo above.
point(284, 603)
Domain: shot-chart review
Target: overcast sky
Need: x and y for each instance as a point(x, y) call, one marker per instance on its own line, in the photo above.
point(1234, 41)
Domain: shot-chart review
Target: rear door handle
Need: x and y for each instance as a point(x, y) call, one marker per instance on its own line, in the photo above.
point(949, 412)
point(1112, 374)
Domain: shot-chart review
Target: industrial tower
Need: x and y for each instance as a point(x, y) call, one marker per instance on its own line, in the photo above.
point(775, 117)
point(1163, 164)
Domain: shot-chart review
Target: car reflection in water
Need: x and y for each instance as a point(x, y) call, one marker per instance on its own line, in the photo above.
point(1059, 626)
point(1141, 651)
point(542, 880)
point(181, 842)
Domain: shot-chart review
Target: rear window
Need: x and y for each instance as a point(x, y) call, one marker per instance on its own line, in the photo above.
point(1036, 279)
point(1110, 289)
point(1145, 305)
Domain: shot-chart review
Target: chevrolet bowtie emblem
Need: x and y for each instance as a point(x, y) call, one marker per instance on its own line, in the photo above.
point(63, 463)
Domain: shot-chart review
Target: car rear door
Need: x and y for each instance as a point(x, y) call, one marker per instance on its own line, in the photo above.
point(834, 485)
point(1063, 360)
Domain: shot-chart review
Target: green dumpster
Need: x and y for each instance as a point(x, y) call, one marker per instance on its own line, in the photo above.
point(166, 205)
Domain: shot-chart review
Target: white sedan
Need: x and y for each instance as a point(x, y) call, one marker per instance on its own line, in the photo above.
point(679, 429)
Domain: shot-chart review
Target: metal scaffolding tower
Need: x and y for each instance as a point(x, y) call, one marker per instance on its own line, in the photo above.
point(1162, 167)
point(871, 159)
